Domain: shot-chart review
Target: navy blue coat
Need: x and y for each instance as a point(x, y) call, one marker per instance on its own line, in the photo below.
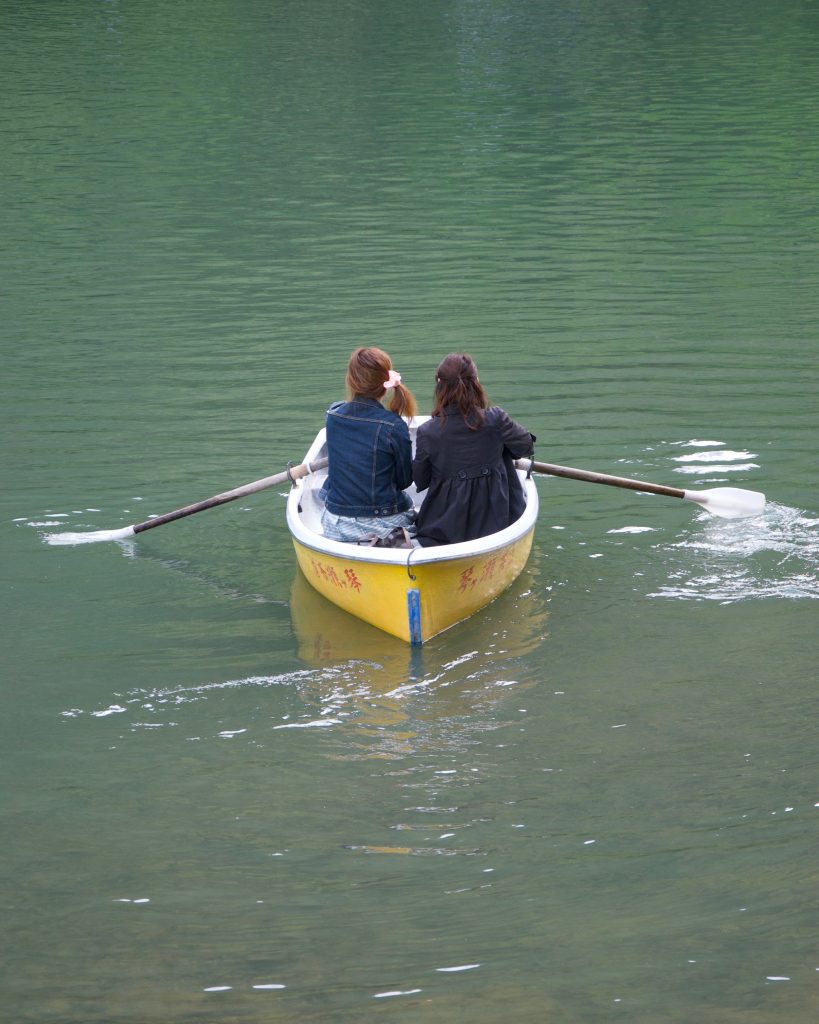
point(473, 487)
point(370, 460)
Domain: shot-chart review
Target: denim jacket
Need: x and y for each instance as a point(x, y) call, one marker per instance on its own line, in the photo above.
point(370, 460)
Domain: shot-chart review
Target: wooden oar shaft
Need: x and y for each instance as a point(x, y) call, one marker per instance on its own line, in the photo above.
point(600, 478)
point(238, 492)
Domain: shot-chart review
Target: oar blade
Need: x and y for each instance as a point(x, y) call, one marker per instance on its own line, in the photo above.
point(729, 502)
point(293, 473)
point(88, 538)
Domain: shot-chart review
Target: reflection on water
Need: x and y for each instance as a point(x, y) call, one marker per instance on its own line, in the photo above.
point(400, 697)
point(326, 636)
point(396, 697)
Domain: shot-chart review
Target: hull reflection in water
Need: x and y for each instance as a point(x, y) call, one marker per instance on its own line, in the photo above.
point(328, 636)
point(374, 681)
point(513, 625)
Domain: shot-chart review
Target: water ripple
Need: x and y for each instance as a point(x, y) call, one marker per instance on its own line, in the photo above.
point(774, 555)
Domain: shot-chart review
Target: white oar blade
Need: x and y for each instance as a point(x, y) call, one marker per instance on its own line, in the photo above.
point(94, 537)
point(729, 502)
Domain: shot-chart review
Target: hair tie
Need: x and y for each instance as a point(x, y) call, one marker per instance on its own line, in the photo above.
point(393, 379)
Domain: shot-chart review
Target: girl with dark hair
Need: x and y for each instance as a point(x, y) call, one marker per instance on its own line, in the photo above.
point(370, 456)
point(465, 456)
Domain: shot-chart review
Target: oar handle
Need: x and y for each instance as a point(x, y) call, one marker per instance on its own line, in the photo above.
point(600, 478)
point(294, 473)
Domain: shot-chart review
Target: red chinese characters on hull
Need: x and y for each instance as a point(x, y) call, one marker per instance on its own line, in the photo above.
point(469, 579)
point(352, 579)
point(349, 579)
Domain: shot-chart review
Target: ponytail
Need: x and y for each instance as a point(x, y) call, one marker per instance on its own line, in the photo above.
point(368, 371)
point(402, 401)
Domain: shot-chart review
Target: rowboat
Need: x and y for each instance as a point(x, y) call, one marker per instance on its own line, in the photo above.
point(411, 593)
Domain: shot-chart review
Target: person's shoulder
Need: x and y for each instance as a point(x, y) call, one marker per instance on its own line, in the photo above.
point(498, 413)
point(499, 419)
point(434, 423)
point(504, 422)
point(398, 423)
point(336, 406)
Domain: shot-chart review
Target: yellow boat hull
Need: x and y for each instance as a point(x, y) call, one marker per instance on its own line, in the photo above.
point(414, 602)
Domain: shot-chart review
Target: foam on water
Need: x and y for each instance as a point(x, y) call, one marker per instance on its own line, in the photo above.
point(711, 468)
point(91, 537)
point(633, 529)
point(67, 538)
point(718, 460)
point(720, 455)
point(695, 443)
point(772, 555)
point(172, 697)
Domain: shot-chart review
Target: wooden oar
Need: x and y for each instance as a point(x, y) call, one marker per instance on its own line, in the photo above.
point(295, 473)
point(728, 502)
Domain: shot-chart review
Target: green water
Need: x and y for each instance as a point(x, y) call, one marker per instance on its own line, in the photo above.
point(223, 799)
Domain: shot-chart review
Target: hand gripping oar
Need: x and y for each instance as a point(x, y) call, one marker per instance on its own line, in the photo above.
point(728, 502)
point(292, 474)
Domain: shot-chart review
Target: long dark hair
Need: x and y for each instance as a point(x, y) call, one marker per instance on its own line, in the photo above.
point(456, 383)
point(367, 374)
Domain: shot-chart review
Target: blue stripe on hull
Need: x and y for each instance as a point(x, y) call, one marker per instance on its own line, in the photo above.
point(414, 616)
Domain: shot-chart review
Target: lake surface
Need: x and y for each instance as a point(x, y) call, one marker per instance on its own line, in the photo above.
point(224, 800)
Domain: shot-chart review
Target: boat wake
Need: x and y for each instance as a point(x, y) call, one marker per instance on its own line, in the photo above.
point(392, 704)
point(157, 702)
point(772, 555)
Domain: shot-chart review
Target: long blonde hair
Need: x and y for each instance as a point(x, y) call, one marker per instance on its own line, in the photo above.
point(367, 372)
